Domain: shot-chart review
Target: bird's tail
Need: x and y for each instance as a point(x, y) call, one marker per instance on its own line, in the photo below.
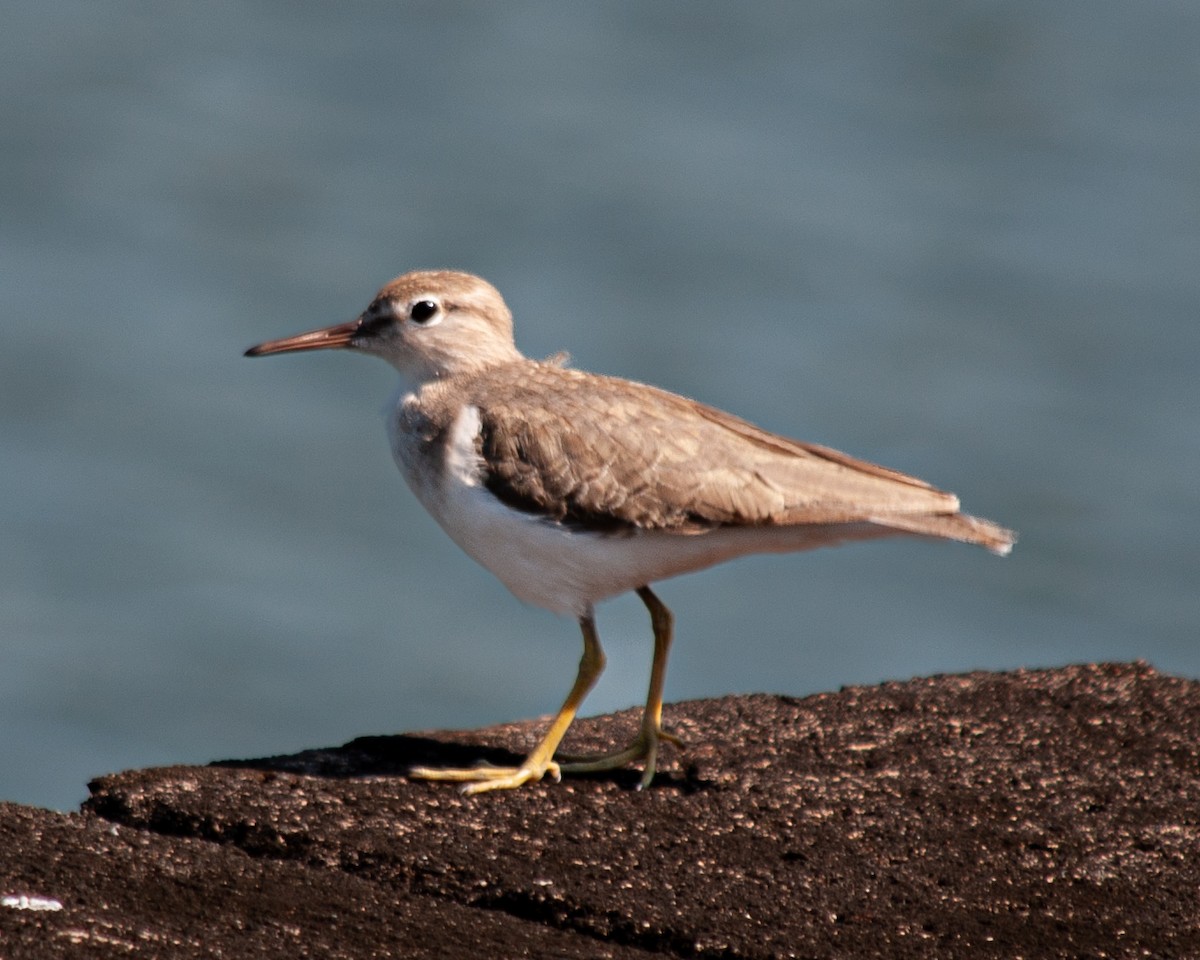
point(952, 526)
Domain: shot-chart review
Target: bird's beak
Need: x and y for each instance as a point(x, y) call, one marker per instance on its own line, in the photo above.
point(327, 338)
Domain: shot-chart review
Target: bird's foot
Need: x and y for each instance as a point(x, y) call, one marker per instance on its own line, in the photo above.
point(486, 777)
point(644, 747)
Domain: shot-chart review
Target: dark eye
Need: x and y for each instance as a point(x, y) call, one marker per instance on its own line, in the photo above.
point(423, 311)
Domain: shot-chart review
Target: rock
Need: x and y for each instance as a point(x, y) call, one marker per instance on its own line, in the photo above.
point(1038, 813)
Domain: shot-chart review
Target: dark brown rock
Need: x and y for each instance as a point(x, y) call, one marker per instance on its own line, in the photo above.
point(1039, 814)
point(126, 892)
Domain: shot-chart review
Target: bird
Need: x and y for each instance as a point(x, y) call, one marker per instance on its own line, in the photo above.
point(574, 487)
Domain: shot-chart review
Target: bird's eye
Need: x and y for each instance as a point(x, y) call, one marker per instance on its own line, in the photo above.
point(424, 312)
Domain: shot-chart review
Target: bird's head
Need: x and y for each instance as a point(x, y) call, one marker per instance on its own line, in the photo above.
point(427, 324)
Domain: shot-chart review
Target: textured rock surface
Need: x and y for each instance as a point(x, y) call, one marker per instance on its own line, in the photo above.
point(1037, 814)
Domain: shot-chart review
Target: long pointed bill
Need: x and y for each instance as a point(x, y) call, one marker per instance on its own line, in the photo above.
point(327, 338)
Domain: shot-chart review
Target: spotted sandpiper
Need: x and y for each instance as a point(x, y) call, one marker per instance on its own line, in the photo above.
point(574, 487)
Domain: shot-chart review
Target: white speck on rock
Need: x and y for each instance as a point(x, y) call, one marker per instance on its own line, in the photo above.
point(23, 902)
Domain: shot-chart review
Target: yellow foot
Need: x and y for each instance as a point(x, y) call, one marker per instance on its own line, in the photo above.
point(485, 777)
point(644, 747)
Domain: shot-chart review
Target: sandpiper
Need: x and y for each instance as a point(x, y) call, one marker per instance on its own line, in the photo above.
point(574, 487)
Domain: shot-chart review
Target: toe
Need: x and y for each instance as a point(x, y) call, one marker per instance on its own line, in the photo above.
point(485, 777)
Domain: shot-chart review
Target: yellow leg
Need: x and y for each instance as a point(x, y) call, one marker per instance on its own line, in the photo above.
point(541, 759)
point(645, 744)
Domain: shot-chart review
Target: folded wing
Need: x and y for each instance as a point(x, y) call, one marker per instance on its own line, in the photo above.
point(611, 454)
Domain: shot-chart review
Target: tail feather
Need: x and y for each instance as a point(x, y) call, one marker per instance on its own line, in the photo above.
point(952, 526)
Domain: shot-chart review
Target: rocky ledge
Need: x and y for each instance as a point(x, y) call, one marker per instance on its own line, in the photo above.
point(1036, 814)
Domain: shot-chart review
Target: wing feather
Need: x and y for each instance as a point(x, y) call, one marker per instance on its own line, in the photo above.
point(608, 454)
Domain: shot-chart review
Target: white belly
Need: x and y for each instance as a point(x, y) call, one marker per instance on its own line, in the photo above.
point(561, 568)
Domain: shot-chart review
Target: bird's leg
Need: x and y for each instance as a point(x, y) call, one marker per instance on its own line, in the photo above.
point(645, 744)
point(541, 759)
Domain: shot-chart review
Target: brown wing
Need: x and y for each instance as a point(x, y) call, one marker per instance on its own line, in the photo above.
point(607, 453)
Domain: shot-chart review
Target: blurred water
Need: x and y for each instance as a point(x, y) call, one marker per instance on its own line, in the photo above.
point(957, 238)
